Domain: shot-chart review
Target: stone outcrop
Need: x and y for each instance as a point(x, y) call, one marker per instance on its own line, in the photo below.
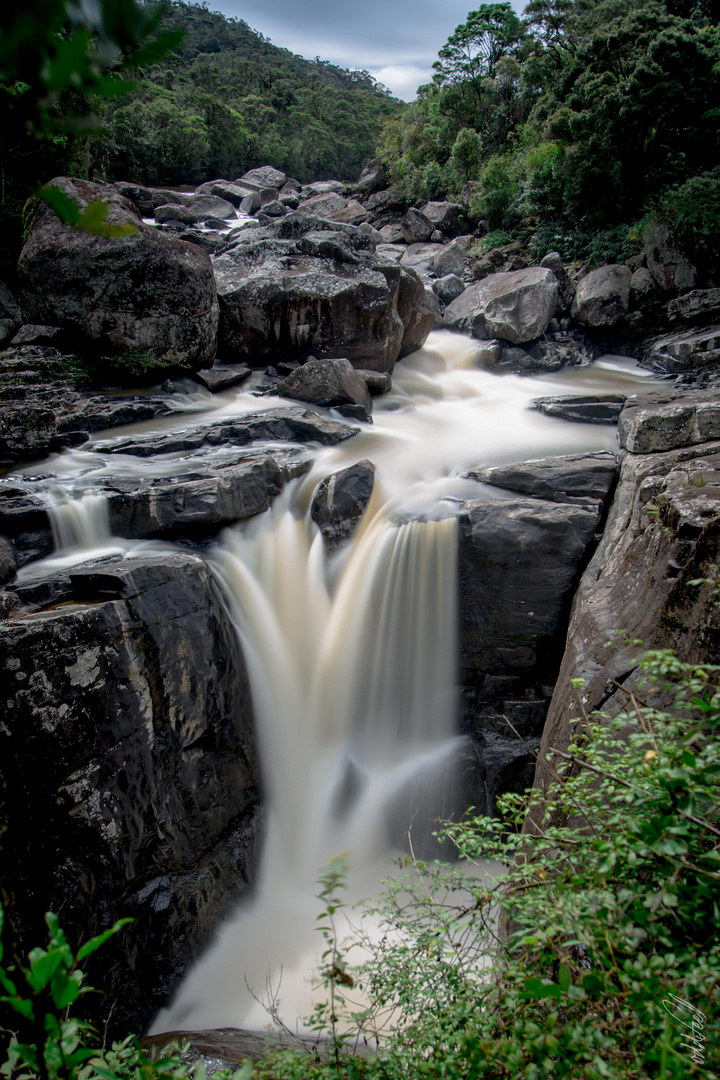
point(305, 286)
point(46, 404)
point(603, 296)
point(698, 306)
point(194, 502)
point(292, 425)
point(519, 562)
point(664, 421)
point(332, 383)
point(583, 409)
point(340, 500)
point(143, 291)
point(130, 780)
point(515, 306)
point(663, 532)
point(685, 350)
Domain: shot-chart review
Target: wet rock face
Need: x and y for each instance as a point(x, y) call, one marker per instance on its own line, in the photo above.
point(196, 502)
point(130, 778)
point(145, 291)
point(663, 532)
point(571, 478)
point(519, 562)
point(341, 500)
point(305, 286)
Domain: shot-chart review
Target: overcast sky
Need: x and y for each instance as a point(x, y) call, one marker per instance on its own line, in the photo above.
point(395, 40)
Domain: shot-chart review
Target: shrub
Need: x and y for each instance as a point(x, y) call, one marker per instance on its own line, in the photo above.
point(607, 963)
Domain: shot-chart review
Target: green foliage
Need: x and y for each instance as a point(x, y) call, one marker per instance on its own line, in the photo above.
point(48, 1043)
point(608, 960)
point(692, 212)
point(227, 100)
point(473, 51)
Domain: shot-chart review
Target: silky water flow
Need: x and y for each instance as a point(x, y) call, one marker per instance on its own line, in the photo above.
point(352, 668)
point(351, 655)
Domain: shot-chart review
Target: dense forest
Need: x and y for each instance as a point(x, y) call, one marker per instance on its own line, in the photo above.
point(227, 99)
point(574, 123)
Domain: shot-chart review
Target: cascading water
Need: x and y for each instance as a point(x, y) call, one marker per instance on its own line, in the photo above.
point(351, 655)
point(352, 669)
point(80, 524)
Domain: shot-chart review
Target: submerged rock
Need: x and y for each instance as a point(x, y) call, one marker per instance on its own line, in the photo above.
point(144, 291)
point(341, 500)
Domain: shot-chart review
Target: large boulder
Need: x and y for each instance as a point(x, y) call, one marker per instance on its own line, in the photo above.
point(144, 291)
point(603, 296)
point(352, 214)
point(325, 205)
point(451, 259)
point(415, 227)
point(444, 216)
point(516, 306)
point(305, 286)
point(211, 206)
point(332, 383)
point(374, 177)
point(129, 773)
point(341, 500)
point(571, 478)
point(194, 502)
point(264, 177)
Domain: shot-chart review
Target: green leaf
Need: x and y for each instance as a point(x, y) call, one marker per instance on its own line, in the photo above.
point(592, 984)
point(564, 978)
point(43, 966)
point(69, 213)
point(95, 943)
point(20, 1005)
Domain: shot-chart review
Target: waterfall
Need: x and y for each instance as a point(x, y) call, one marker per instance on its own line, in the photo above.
point(352, 666)
point(80, 523)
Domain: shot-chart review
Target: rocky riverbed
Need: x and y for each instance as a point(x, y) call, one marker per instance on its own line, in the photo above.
point(130, 780)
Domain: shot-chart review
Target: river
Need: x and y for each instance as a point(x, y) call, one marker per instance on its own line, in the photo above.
point(351, 655)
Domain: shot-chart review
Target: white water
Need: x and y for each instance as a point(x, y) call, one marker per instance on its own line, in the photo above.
point(351, 657)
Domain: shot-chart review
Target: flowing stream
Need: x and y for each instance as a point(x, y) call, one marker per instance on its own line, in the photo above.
point(352, 655)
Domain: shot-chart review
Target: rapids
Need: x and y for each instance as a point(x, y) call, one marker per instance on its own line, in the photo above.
point(352, 655)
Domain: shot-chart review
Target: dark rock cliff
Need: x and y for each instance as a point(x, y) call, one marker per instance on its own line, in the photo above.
point(130, 781)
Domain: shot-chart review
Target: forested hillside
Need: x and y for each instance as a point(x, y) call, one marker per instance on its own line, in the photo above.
point(227, 99)
point(573, 123)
